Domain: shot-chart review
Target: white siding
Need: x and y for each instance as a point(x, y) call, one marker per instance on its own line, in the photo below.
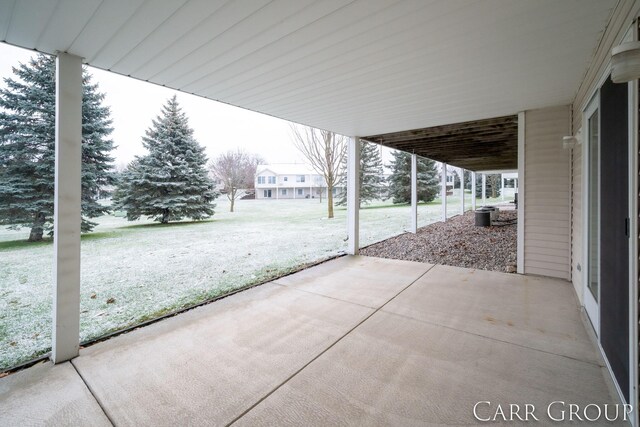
point(621, 19)
point(547, 229)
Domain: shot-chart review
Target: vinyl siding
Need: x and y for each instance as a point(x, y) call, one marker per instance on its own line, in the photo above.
point(547, 228)
point(621, 19)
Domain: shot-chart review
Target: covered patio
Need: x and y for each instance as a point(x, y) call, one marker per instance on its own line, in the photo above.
point(362, 340)
point(357, 340)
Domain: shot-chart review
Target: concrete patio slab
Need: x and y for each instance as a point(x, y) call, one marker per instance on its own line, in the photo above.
point(361, 280)
point(48, 394)
point(207, 366)
point(536, 312)
point(393, 370)
point(299, 353)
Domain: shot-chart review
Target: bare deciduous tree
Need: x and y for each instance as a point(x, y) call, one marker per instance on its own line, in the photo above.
point(237, 170)
point(325, 151)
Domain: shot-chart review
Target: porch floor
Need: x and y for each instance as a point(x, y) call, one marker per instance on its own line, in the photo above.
point(356, 340)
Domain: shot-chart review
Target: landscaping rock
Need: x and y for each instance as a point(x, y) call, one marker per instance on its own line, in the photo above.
point(458, 242)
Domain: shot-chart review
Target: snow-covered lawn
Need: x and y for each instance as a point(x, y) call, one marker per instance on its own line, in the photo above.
point(135, 271)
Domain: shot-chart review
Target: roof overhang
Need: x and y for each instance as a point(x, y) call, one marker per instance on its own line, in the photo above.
point(479, 145)
point(364, 67)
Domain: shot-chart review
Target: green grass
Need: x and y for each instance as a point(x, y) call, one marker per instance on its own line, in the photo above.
point(150, 269)
point(23, 244)
point(170, 224)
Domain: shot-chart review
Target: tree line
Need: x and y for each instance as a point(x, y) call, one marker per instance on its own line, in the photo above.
point(174, 179)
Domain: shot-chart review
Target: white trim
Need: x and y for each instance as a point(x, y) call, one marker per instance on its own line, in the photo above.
point(67, 208)
point(633, 240)
point(473, 191)
point(353, 195)
point(414, 193)
point(590, 304)
point(461, 190)
point(633, 243)
point(521, 188)
point(443, 190)
point(596, 90)
point(612, 375)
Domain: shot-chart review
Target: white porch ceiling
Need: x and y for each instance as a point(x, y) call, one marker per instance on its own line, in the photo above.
point(357, 67)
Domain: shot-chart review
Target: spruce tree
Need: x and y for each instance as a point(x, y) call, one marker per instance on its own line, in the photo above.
point(371, 179)
point(171, 182)
point(400, 178)
point(27, 148)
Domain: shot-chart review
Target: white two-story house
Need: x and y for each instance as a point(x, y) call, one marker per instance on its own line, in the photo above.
point(289, 181)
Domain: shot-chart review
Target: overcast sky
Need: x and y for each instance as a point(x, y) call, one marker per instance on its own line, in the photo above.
point(219, 127)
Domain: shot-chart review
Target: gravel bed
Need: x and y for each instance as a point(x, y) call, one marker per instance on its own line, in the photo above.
point(458, 242)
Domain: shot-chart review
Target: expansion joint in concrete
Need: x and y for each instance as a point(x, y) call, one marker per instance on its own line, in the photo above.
point(245, 412)
point(86, 384)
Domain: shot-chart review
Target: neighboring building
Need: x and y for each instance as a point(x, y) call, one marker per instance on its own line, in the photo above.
point(290, 181)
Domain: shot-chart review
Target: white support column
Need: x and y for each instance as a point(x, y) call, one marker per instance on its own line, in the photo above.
point(473, 191)
point(484, 189)
point(414, 193)
point(67, 210)
point(521, 191)
point(444, 192)
point(353, 195)
point(502, 186)
point(461, 191)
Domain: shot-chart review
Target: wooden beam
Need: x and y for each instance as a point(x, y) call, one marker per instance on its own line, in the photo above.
point(474, 145)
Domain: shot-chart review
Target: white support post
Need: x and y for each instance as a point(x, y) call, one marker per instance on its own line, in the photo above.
point(461, 191)
point(502, 186)
point(353, 195)
point(473, 191)
point(484, 189)
point(521, 191)
point(414, 193)
point(444, 192)
point(67, 210)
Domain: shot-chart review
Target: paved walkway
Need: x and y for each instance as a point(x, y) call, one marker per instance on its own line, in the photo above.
point(356, 340)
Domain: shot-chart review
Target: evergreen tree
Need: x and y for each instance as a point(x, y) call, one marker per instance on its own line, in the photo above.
point(371, 179)
point(171, 182)
point(400, 179)
point(27, 148)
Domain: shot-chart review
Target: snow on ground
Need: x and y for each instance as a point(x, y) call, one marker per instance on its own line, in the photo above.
point(135, 271)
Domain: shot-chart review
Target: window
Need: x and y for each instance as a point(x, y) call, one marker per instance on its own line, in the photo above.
point(272, 180)
point(261, 180)
point(285, 179)
point(300, 191)
point(267, 194)
point(300, 178)
point(284, 192)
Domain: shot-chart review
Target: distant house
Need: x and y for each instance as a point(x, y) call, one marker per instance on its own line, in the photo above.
point(290, 181)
